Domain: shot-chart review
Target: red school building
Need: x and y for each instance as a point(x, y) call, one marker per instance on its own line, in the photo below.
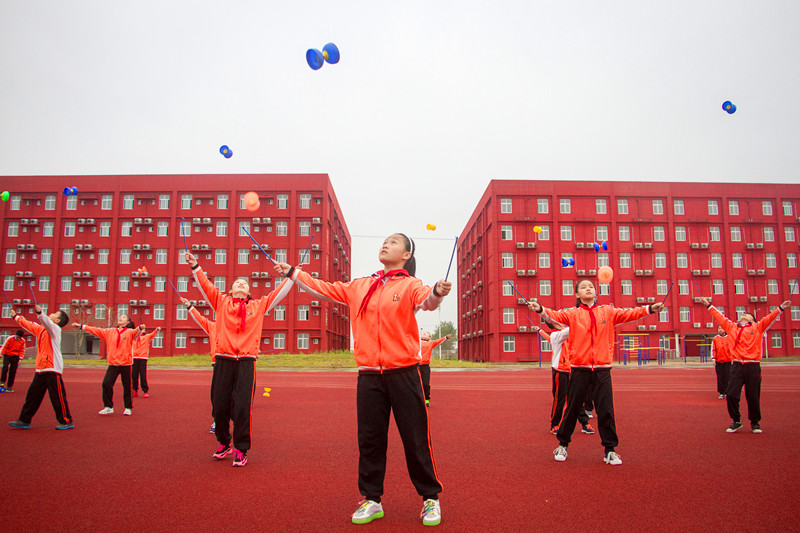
point(735, 243)
point(82, 253)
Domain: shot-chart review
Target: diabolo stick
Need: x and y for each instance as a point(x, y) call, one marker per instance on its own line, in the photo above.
point(515, 290)
point(306, 252)
point(670, 290)
point(175, 289)
point(32, 293)
point(186, 246)
point(451, 259)
point(260, 248)
point(6, 296)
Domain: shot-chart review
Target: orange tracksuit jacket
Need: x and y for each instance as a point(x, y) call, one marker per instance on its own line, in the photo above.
point(427, 349)
point(48, 343)
point(119, 343)
point(720, 349)
point(141, 345)
point(231, 340)
point(593, 347)
point(209, 326)
point(745, 343)
point(386, 333)
point(13, 346)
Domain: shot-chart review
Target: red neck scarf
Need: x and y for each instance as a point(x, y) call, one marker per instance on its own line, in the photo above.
point(241, 311)
point(372, 288)
point(738, 335)
point(593, 328)
point(119, 335)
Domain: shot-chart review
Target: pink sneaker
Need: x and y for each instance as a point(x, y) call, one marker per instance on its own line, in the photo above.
point(146, 395)
point(223, 451)
point(240, 459)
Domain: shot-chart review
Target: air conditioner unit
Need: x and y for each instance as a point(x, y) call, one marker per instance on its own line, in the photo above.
point(257, 220)
point(145, 247)
point(760, 272)
point(753, 298)
point(759, 245)
point(696, 324)
point(265, 274)
point(314, 303)
point(520, 272)
point(134, 274)
point(75, 302)
point(639, 272)
point(480, 258)
point(648, 245)
point(762, 298)
point(640, 300)
point(523, 328)
point(695, 245)
point(137, 220)
point(316, 220)
point(695, 272)
point(133, 302)
point(469, 313)
point(87, 247)
point(20, 247)
point(706, 272)
point(31, 247)
point(651, 300)
point(87, 274)
point(648, 272)
point(651, 327)
point(696, 299)
point(480, 332)
point(641, 327)
point(90, 221)
point(20, 273)
point(315, 274)
point(148, 221)
point(202, 303)
point(196, 220)
point(638, 245)
point(480, 308)
point(315, 246)
point(204, 247)
point(578, 245)
point(137, 246)
point(520, 245)
point(581, 272)
point(592, 272)
point(34, 221)
point(266, 220)
point(468, 271)
point(206, 220)
point(531, 272)
point(193, 302)
point(750, 245)
point(28, 274)
point(142, 302)
point(79, 247)
point(76, 274)
point(703, 245)
point(81, 221)
point(709, 324)
point(522, 301)
point(23, 221)
point(468, 293)
point(253, 274)
point(751, 272)
point(17, 301)
point(531, 245)
point(335, 260)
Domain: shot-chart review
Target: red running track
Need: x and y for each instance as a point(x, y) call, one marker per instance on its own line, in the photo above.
point(153, 471)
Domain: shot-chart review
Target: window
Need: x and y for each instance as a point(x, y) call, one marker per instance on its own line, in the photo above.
point(181, 312)
point(158, 311)
point(678, 206)
point(66, 256)
point(795, 313)
point(508, 315)
point(13, 229)
point(106, 202)
point(545, 234)
point(766, 207)
point(787, 209)
point(100, 311)
point(602, 233)
point(716, 286)
point(624, 260)
point(713, 233)
point(713, 207)
point(72, 203)
point(658, 207)
point(736, 233)
point(566, 287)
point(180, 339)
point(280, 255)
point(8, 283)
point(305, 228)
point(740, 310)
point(302, 341)
point(127, 201)
point(125, 256)
point(183, 283)
point(600, 206)
point(244, 228)
point(791, 260)
point(716, 260)
point(622, 206)
point(105, 229)
point(219, 283)
point(544, 287)
point(160, 283)
point(796, 339)
point(683, 286)
point(777, 340)
point(222, 201)
point(663, 315)
point(222, 228)
point(124, 283)
point(658, 233)
point(158, 340)
point(162, 229)
point(47, 229)
point(661, 260)
point(281, 228)
point(624, 233)
point(680, 233)
point(737, 260)
point(685, 315)
point(505, 205)
point(505, 233)
point(163, 201)
point(733, 207)
point(543, 206)
point(303, 257)
point(566, 232)
point(6, 311)
point(305, 201)
point(161, 256)
point(508, 343)
point(186, 201)
point(769, 234)
point(772, 286)
point(280, 341)
point(220, 256)
point(127, 229)
point(44, 283)
point(283, 201)
point(772, 260)
point(602, 259)
point(544, 259)
point(50, 202)
point(508, 290)
point(186, 229)
point(508, 260)
point(244, 256)
point(280, 312)
point(566, 206)
point(738, 286)
point(661, 287)
point(102, 283)
point(682, 260)
point(789, 232)
point(102, 256)
point(11, 255)
point(627, 286)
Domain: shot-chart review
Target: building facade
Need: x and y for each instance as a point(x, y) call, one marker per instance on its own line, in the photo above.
point(737, 243)
point(118, 245)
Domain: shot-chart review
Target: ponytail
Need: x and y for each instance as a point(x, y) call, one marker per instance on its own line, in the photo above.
point(411, 263)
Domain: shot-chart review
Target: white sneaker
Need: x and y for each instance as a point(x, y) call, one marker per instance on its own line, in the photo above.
point(127, 412)
point(612, 458)
point(560, 453)
point(431, 513)
point(367, 511)
point(106, 411)
point(589, 414)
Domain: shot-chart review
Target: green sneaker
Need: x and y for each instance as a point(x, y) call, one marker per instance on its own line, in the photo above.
point(367, 511)
point(431, 513)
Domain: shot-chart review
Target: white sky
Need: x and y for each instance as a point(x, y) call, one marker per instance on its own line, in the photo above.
point(430, 101)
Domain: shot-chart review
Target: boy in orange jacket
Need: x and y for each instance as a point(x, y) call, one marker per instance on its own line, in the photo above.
point(240, 320)
point(12, 351)
point(721, 355)
point(746, 338)
point(427, 346)
point(591, 337)
point(209, 327)
point(49, 366)
point(119, 354)
point(141, 353)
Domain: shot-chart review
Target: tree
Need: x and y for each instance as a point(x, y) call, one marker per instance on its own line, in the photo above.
point(448, 347)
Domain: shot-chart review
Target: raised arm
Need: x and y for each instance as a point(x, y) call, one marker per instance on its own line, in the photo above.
point(207, 288)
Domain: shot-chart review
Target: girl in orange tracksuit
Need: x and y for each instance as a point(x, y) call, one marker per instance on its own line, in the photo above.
point(387, 351)
point(240, 320)
point(591, 337)
point(427, 346)
point(12, 351)
point(745, 344)
point(119, 353)
point(721, 355)
point(141, 352)
point(209, 327)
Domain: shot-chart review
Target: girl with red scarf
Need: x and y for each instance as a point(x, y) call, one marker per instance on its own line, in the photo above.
point(388, 354)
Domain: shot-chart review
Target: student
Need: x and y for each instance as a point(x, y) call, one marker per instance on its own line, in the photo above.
point(721, 355)
point(210, 329)
point(427, 346)
point(49, 366)
point(559, 341)
point(141, 352)
point(591, 339)
point(119, 353)
point(745, 346)
point(13, 350)
point(387, 351)
point(240, 320)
